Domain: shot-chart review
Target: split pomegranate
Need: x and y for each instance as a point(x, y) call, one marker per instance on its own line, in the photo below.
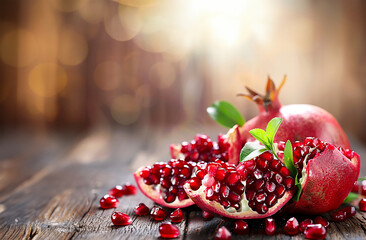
point(108, 201)
point(176, 216)
point(121, 219)
point(299, 120)
point(168, 230)
point(270, 226)
point(223, 234)
point(362, 205)
point(207, 215)
point(142, 210)
point(254, 189)
point(292, 226)
point(315, 231)
point(241, 227)
point(322, 221)
point(304, 224)
point(158, 213)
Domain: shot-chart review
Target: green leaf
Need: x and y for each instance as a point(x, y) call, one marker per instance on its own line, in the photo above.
point(351, 196)
point(289, 160)
point(298, 192)
point(225, 114)
point(261, 136)
point(272, 128)
point(361, 179)
point(251, 150)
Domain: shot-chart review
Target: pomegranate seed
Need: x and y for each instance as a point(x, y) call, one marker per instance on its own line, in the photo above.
point(116, 191)
point(362, 205)
point(339, 216)
point(270, 226)
point(168, 230)
point(356, 188)
point(208, 181)
point(144, 173)
point(267, 156)
point(207, 215)
point(223, 234)
point(107, 202)
point(304, 224)
point(241, 227)
point(270, 187)
point(292, 226)
point(232, 178)
point(284, 171)
point(349, 211)
point(195, 183)
point(315, 231)
point(142, 210)
point(280, 190)
point(176, 216)
point(322, 221)
point(220, 174)
point(121, 219)
point(158, 213)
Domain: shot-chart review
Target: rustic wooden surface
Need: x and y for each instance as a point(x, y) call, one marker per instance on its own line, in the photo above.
point(50, 186)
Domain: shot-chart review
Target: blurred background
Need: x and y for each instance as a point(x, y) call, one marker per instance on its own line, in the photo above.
point(80, 64)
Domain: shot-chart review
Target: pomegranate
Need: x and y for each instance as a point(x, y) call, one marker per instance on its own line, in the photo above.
point(223, 234)
point(299, 120)
point(142, 210)
point(322, 221)
point(315, 231)
point(168, 230)
point(176, 216)
point(107, 202)
point(121, 219)
point(256, 188)
point(362, 205)
point(270, 226)
point(304, 224)
point(292, 226)
point(241, 227)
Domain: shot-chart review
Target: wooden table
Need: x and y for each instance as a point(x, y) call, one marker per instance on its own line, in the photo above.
point(51, 183)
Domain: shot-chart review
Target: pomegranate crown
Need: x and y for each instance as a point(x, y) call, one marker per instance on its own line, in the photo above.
point(269, 101)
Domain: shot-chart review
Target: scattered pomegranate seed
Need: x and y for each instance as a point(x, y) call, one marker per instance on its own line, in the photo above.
point(349, 211)
point(107, 202)
point(241, 227)
point(339, 216)
point(158, 213)
point(270, 226)
point(129, 189)
point(363, 187)
point(362, 205)
point(121, 219)
point(315, 231)
point(304, 224)
point(322, 221)
point(116, 191)
point(142, 210)
point(292, 226)
point(207, 215)
point(168, 230)
point(176, 216)
point(223, 234)
point(356, 188)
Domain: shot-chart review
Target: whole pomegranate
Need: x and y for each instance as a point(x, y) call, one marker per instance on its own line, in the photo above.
point(299, 120)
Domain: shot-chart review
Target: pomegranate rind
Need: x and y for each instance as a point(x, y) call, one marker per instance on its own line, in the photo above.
point(233, 138)
point(199, 198)
point(153, 192)
point(329, 178)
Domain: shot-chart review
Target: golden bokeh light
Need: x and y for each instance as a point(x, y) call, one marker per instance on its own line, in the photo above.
point(47, 79)
point(138, 3)
point(18, 48)
point(125, 109)
point(107, 75)
point(162, 74)
point(73, 48)
point(92, 11)
point(67, 5)
point(122, 26)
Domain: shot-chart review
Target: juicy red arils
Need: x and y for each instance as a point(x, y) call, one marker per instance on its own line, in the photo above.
point(116, 191)
point(128, 189)
point(322, 221)
point(349, 211)
point(120, 219)
point(362, 205)
point(292, 226)
point(304, 224)
point(158, 213)
point(176, 216)
point(142, 210)
point(315, 231)
point(270, 226)
point(168, 230)
point(207, 215)
point(241, 227)
point(108, 201)
point(339, 216)
point(223, 234)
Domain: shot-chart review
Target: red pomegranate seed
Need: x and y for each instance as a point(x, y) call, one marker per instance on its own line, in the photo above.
point(241, 227)
point(292, 226)
point(232, 178)
point(168, 230)
point(322, 221)
point(270, 226)
point(315, 231)
point(107, 202)
point(339, 216)
point(223, 234)
point(362, 205)
point(356, 187)
point(142, 210)
point(116, 191)
point(304, 224)
point(176, 216)
point(158, 213)
point(129, 189)
point(121, 219)
point(349, 211)
point(195, 183)
point(207, 215)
